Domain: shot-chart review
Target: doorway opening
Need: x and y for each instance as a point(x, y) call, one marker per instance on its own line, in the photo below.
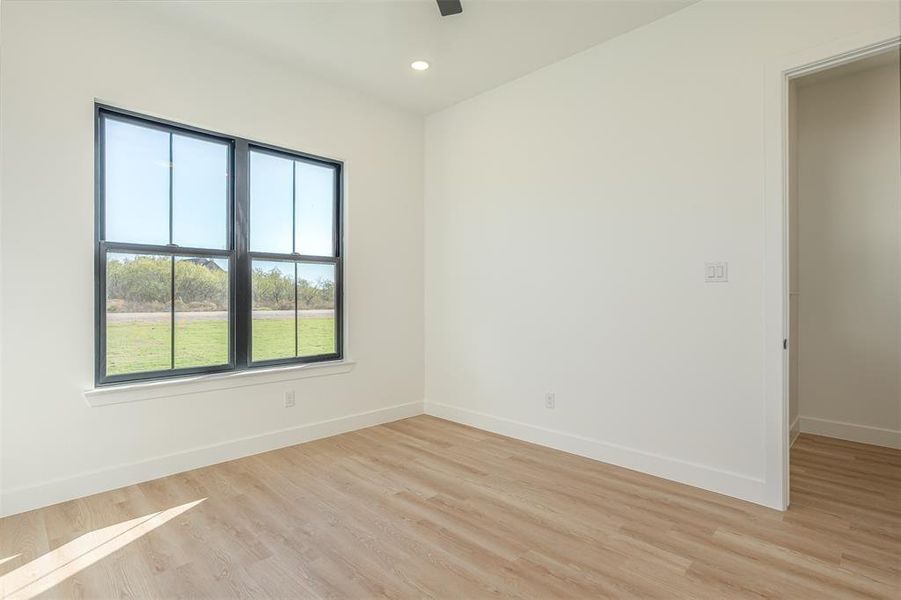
point(843, 249)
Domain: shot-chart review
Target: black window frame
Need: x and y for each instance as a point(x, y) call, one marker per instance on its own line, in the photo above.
point(237, 251)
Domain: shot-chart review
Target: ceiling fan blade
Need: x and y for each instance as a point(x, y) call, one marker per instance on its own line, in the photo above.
point(449, 7)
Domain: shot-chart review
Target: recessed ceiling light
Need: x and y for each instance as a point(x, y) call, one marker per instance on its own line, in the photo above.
point(419, 65)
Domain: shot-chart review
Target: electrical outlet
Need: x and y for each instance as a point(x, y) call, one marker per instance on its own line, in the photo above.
point(550, 400)
point(289, 399)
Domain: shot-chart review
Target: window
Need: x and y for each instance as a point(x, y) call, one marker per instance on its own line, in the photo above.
point(214, 253)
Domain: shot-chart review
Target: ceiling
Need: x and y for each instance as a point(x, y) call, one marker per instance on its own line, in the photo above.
point(369, 44)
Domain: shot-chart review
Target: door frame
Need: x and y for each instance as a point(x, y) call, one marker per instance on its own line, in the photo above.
point(779, 74)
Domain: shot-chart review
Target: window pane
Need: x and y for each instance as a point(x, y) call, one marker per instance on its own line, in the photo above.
point(315, 209)
point(273, 310)
point(138, 313)
point(315, 309)
point(271, 203)
point(199, 192)
point(201, 312)
point(136, 183)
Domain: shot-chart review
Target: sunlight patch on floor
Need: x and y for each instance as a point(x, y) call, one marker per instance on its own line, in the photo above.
point(48, 570)
point(9, 558)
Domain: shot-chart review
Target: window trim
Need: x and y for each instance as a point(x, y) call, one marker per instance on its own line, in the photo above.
point(237, 252)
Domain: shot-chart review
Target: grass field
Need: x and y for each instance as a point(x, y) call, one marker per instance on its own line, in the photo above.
point(145, 346)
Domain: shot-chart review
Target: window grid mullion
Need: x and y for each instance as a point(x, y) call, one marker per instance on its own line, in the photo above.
point(243, 277)
point(171, 203)
point(171, 258)
point(172, 312)
point(165, 250)
point(293, 207)
point(300, 258)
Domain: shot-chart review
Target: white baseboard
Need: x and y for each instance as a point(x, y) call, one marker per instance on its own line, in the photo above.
point(865, 434)
point(697, 475)
point(26, 498)
point(794, 431)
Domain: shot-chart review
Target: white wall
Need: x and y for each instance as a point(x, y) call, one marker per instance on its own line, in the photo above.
point(56, 59)
point(568, 218)
point(849, 165)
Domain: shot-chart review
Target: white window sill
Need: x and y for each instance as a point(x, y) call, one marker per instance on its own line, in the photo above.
point(166, 388)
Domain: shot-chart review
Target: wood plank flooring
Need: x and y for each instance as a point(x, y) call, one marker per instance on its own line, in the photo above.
point(428, 508)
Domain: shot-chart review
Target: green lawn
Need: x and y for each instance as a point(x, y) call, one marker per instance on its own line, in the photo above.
point(137, 347)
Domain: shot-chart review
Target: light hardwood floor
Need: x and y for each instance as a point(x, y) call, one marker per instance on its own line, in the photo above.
point(428, 508)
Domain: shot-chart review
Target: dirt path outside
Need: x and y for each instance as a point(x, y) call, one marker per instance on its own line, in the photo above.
point(218, 315)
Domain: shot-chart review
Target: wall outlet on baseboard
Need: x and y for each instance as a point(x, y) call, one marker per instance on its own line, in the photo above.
point(550, 400)
point(289, 399)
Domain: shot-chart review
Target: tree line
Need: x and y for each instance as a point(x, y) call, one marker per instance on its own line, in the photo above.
point(142, 284)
